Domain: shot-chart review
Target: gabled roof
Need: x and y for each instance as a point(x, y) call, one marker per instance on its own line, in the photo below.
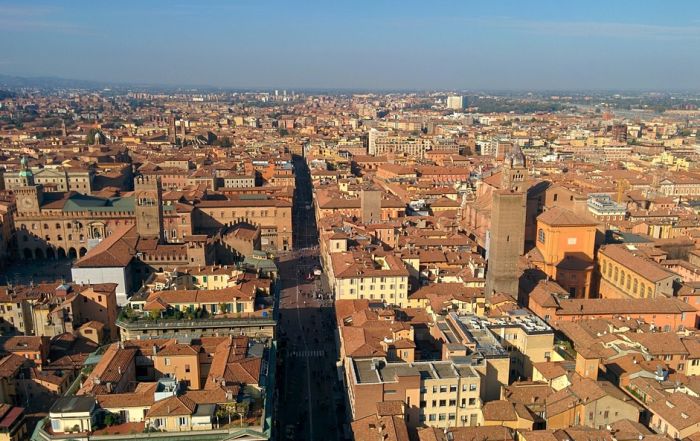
point(172, 406)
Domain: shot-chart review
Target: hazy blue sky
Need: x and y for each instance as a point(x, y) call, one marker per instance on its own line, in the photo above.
point(359, 44)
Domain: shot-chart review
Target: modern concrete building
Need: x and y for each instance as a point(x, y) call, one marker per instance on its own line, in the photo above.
point(436, 393)
point(455, 102)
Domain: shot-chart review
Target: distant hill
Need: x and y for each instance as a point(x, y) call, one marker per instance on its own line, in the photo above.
point(15, 82)
point(6, 94)
point(18, 82)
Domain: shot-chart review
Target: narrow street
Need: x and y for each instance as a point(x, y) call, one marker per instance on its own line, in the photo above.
point(311, 403)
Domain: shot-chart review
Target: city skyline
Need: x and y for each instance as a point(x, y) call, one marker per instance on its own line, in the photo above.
point(508, 46)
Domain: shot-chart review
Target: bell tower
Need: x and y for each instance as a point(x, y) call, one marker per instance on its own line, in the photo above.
point(148, 201)
point(26, 176)
point(29, 196)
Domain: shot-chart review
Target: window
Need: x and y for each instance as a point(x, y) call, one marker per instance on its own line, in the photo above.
point(472, 401)
point(540, 235)
point(431, 417)
point(182, 421)
point(443, 403)
point(453, 388)
point(187, 368)
point(556, 196)
point(472, 387)
point(441, 417)
point(443, 388)
point(167, 362)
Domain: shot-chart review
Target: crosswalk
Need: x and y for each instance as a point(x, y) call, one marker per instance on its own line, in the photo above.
point(308, 354)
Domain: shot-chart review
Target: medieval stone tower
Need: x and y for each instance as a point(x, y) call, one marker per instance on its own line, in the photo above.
point(149, 207)
point(506, 238)
point(371, 206)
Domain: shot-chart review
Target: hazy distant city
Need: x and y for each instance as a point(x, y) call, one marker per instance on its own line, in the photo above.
point(314, 222)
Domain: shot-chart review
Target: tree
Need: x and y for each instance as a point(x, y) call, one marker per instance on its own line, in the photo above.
point(283, 132)
point(111, 419)
point(224, 141)
point(92, 135)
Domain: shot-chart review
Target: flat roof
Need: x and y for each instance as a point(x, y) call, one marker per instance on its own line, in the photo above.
point(74, 403)
point(378, 370)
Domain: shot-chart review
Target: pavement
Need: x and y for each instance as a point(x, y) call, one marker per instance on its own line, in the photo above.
point(36, 271)
point(311, 404)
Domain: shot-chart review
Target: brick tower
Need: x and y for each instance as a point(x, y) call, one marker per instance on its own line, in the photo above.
point(149, 207)
point(506, 238)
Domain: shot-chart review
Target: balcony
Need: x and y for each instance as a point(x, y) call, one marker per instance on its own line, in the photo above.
point(172, 323)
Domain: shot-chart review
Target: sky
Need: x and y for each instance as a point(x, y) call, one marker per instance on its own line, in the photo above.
point(374, 45)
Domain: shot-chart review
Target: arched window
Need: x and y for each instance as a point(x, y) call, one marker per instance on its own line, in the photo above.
point(649, 291)
point(622, 278)
point(540, 235)
point(58, 226)
point(634, 286)
point(616, 274)
point(629, 281)
point(605, 266)
point(46, 226)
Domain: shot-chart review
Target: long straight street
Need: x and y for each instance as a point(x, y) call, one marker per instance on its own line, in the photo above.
point(311, 403)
